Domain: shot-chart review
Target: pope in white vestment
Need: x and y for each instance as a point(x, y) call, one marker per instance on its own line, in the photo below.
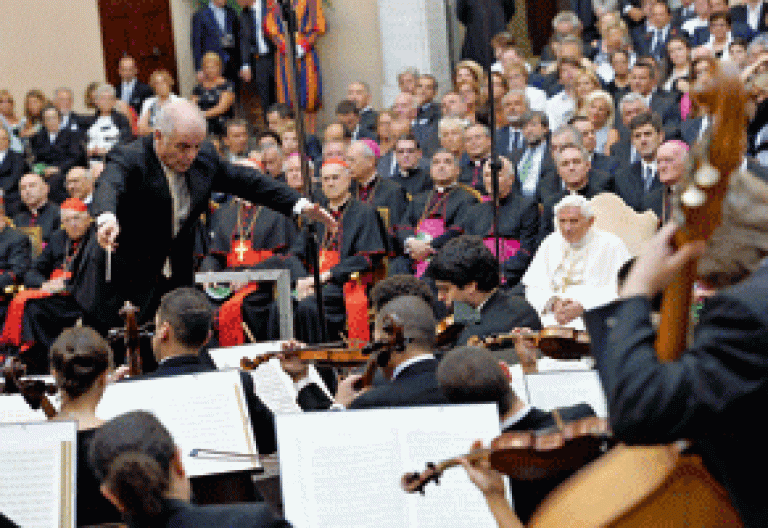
point(575, 268)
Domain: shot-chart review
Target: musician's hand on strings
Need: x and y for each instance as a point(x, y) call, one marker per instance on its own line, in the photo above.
point(525, 347)
point(346, 392)
point(315, 213)
point(659, 263)
point(107, 233)
point(120, 372)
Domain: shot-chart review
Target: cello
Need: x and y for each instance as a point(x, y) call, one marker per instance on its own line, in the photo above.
point(662, 485)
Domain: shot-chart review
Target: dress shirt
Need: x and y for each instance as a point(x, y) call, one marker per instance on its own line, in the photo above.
point(533, 157)
point(220, 14)
point(2, 156)
point(127, 90)
point(649, 173)
point(408, 362)
point(753, 15)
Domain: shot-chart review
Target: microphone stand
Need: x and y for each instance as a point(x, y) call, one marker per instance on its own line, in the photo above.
point(312, 247)
point(495, 163)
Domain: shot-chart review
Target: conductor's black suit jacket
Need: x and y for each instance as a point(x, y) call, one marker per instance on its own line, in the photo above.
point(709, 395)
point(135, 189)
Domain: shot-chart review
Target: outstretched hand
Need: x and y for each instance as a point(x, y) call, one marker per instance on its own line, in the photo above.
point(657, 266)
point(315, 213)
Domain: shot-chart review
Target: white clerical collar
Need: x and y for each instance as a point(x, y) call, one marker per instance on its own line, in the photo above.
point(519, 415)
point(408, 362)
point(129, 84)
point(2, 155)
point(581, 243)
point(443, 190)
point(53, 137)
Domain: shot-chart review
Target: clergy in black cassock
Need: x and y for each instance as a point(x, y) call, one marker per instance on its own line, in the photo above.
point(147, 200)
point(14, 256)
point(37, 210)
point(447, 203)
point(360, 241)
point(518, 223)
point(466, 271)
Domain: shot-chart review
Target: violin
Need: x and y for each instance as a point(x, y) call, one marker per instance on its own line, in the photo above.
point(34, 391)
point(330, 355)
point(557, 342)
point(530, 455)
point(447, 331)
point(380, 351)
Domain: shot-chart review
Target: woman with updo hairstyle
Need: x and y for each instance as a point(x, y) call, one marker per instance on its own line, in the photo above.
point(81, 362)
point(141, 473)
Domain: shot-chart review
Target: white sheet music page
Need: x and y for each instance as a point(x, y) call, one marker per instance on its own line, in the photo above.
point(275, 388)
point(202, 411)
point(229, 357)
point(548, 390)
point(37, 480)
point(342, 469)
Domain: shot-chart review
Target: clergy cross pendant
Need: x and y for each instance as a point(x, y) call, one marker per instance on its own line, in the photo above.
point(241, 249)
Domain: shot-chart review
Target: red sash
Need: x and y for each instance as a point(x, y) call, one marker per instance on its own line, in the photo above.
point(15, 315)
point(355, 300)
point(231, 331)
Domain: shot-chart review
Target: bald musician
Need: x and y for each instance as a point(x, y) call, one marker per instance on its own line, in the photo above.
point(146, 202)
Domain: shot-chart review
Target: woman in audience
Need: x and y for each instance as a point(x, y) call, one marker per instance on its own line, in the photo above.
point(30, 124)
point(161, 82)
point(9, 121)
point(108, 127)
point(89, 100)
point(473, 98)
point(600, 110)
point(500, 89)
point(141, 473)
point(517, 79)
point(586, 83)
point(215, 95)
point(80, 364)
point(679, 61)
point(468, 71)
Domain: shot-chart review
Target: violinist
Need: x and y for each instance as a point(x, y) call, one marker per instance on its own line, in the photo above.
point(472, 375)
point(81, 363)
point(182, 326)
point(465, 270)
point(412, 372)
point(710, 394)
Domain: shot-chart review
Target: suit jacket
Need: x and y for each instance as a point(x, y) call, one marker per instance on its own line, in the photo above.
point(501, 314)
point(690, 129)
point(13, 167)
point(207, 36)
point(547, 170)
point(502, 142)
point(668, 107)
point(417, 181)
point(416, 385)
point(177, 514)
point(65, 152)
point(262, 418)
point(643, 40)
point(629, 185)
point(605, 164)
point(708, 395)
point(553, 191)
point(739, 16)
point(134, 187)
point(47, 218)
point(139, 94)
point(75, 123)
point(248, 44)
point(368, 120)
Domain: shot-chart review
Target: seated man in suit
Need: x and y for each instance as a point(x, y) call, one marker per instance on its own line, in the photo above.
point(37, 210)
point(642, 80)
point(630, 106)
point(752, 13)
point(12, 168)
point(473, 375)
point(575, 268)
point(411, 372)
point(477, 141)
point(651, 38)
point(130, 89)
point(63, 100)
point(518, 219)
point(182, 326)
point(80, 183)
point(348, 115)
point(597, 160)
point(360, 93)
point(425, 125)
point(451, 134)
point(14, 256)
point(534, 161)
point(466, 271)
point(510, 137)
point(58, 150)
point(638, 185)
point(721, 31)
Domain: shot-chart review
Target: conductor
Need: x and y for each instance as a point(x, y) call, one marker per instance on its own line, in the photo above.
point(147, 203)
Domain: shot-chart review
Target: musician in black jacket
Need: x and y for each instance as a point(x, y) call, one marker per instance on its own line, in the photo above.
point(140, 468)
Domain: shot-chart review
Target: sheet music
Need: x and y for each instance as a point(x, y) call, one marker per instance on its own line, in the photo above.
point(341, 469)
point(229, 357)
point(202, 411)
point(517, 381)
point(13, 409)
point(37, 481)
point(548, 390)
point(275, 388)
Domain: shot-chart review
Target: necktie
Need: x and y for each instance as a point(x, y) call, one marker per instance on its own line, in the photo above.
point(656, 40)
point(526, 168)
point(648, 177)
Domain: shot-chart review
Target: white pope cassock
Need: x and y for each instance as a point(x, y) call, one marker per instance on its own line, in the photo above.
point(585, 272)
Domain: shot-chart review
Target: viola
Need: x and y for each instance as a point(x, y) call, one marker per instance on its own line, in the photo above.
point(557, 342)
point(333, 356)
point(380, 351)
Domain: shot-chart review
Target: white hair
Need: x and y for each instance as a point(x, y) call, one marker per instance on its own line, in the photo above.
point(451, 122)
point(179, 114)
point(105, 88)
point(575, 200)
